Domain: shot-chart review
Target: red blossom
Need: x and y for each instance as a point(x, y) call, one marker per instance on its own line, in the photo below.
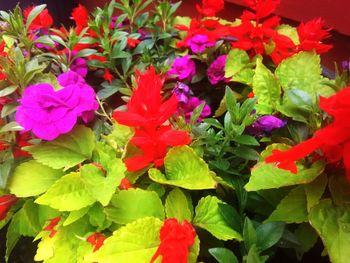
point(210, 7)
point(96, 240)
point(125, 184)
point(42, 21)
point(333, 140)
point(284, 48)
point(22, 141)
point(132, 42)
point(81, 16)
point(175, 241)
point(6, 201)
point(108, 76)
point(51, 226)
point(262, 8)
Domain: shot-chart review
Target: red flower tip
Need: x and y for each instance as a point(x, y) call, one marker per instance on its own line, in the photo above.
point(96, 240)
point(175, 241)
point(43, 20)
point(6, 201)
point(251, 95)
point(285, 165)
point(51, 226)
point(132, 42)
point(108, 76)
point(210, 7)
point(263, 8)
point(125, 184)
point(81, 16)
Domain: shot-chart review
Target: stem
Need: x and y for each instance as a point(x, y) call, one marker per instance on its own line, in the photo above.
point(103, 110)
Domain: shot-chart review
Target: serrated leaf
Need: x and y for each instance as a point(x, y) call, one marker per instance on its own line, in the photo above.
point(237, 60)
point(178, 205)
point(67, 150)
point(184, 168)
point(290, 32)
point(32, 178)
point(209, 217)
point(68, 194)
point(132, 204)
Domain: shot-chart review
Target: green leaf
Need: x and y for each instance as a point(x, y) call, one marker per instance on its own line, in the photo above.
point(68, 194)
point(301, 71)
point(307, 238)
point(137, 241)
point(315, 190)
point(292, 208)
point(266, 88)
point(8, 90)
point(332, 223)
point(254, 256)
point(33, 14)
point(268, 176)
point(223, 255)
point(209, 217)
point(249, 234)
point(67, 150)
point(75, 215)
point(132, 204)
point(237, 60)
point(340, 188)
point(32, 178)
point(269, 234)
point(179, 205)
point(184, 168)
point(11, 126)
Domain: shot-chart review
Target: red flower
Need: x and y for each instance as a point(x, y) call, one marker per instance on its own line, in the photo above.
point(108, 76)
point(132, 42)
point(42, 21)
point(22, 141)
point(81, 16)
point(6, 201)
point(262, 8)
point(175, 241)
point(311, 34)
point(96, 240)
point(125, 184)
point(51, 226)
point(333, 140)
point(284, 48)
point(210, 7)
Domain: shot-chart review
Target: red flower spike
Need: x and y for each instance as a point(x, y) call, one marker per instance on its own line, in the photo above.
point(262, 8)
point(284, 48)
point(132, 42)
point(22, 141)
point(125, 184)
point(108, 76)
point(96, 240)
point(6, 201)
point(42, 21)
point(210, 7)
point(175, 241)
point(51, 226)
point(81, 16)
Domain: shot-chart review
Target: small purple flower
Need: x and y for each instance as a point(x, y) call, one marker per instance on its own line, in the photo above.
point(187, 109)
point(79, 66)
point(345, 65)
point(49, 113)
point(216, 71)
point(265, 125)
point(198, 43)
point(183, 68)
point(182, 92)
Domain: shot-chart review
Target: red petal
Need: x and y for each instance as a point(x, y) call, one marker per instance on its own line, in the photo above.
point(129, 119)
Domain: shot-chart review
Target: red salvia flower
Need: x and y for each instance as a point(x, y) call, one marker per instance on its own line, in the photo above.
point(333, 140)
point(42, 21)
point(51, 226)
point(21, 141)
point(6, 201)
point(210, 7)
point(262, 8)
point(284, 48)
point(175, 241)
point(81, 16)
point(108, 76)
point(132, 42)
point(96, 240)
point(125, 184)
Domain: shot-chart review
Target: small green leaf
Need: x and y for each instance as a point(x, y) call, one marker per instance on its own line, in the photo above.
point(11, 126)
point(33, 14)
point(269, 234)
point(75, 215)
point(249, 234)
point(223, 255)
point(178, 205)
point(315, 190)
point(32, 178)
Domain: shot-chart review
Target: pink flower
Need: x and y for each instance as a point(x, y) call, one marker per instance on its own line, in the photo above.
point(198, 43)
point(49, 113)
point(216, 71)
point(183, 68)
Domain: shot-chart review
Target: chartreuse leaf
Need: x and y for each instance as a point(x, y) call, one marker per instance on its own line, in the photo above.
point(301, 71)
point(68, 194)
point(292, 208)
point(136, 242)
point(266, 88)
point(184, 168)
point(268, 176)
point(237, 66)
point(32, 178)
point(119, 137)
point(132, 204)
point(315, 190)
point(103, 187)
point(209, 217)
point(223, 255)
point(75, 215)
point(179, 205)
point(67, 150)
point(332, 223)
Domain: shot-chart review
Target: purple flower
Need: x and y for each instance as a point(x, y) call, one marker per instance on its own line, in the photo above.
point(183, 68)
point(79, 66)
point(345, 65)
point(198, 43)
point(49, 113)
point(187, 109)
point(182, 92)
point(265, 125)
point(216, 71)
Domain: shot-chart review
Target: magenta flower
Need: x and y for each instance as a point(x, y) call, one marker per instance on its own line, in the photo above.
point(182, 92)
point(49, 113)
point(265, 124)
point(187, 109)
point(198, 43)
point(216, 71)
point(183, 68)
point(79, 66)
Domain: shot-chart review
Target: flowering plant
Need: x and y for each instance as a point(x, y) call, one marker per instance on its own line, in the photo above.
point(150, 137)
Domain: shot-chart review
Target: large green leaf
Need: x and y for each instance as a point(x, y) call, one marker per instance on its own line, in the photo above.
point(67, 150)
point(132, 204)
point(136, 242)
point(184, 168)
point(332, 223)
point(266, 88)
point(237, 60)
point(209, 217)
point(268, 176)
point(301, 71)
point(315, 190)
point(178, 205)
point(68, 194)
point(32, 178)
point(292, 208)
